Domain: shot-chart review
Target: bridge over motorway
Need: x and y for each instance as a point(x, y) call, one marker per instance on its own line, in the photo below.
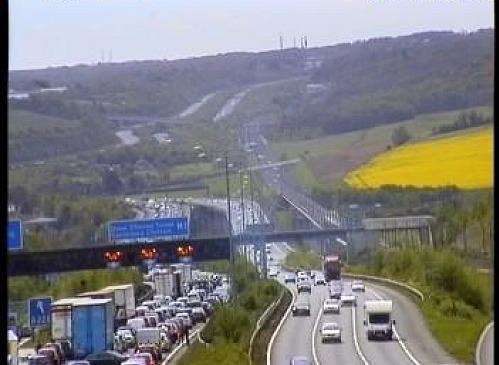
point(134, 254)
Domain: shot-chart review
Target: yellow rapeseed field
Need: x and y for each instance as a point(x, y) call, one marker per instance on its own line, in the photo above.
point(464, 160)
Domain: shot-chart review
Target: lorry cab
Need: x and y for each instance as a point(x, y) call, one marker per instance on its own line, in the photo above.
point(378, 319)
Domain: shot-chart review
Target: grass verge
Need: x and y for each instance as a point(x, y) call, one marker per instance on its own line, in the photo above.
point(302, 259)
point(259, 349)
point(457, 305)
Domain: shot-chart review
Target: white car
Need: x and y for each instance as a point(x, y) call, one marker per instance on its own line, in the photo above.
point(272, 273)
point(319, 280)
point(331, 306)
point(289, 278)
point(358, 285)
point(348, 298)
point(330, 331)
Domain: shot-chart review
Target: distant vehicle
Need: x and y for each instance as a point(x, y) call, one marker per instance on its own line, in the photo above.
point(290, 278)
point(377, 319)
point(348, 298)
point(78, 362)
point(301, 274)
point(304, 285)
point(319, 280)
point(335, 292)
point(153, 351)
point(300, 360)
point(136, 323)
point(185, 318)
point(272, 273)
point(40, 360)
point(106, 357)
point(331, 306)
point(358, 285)
point(150, 359)
point(50, 353)
point(301, 307)
point(332, 268)
point(198, 314)
point(330, 332)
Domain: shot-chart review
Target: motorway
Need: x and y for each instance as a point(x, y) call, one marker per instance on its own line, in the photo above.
point(299, 336)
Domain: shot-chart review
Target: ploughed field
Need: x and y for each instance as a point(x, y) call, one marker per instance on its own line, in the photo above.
point(464, 160)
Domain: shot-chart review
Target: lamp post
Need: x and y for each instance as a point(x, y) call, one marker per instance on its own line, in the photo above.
point(231, 261)
point(344, 244)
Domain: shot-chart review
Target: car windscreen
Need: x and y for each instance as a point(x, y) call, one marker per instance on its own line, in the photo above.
point(379, 318)
point(329, 327)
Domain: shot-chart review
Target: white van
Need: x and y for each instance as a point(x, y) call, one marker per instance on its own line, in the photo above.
point(378, 319)
point(136, 323)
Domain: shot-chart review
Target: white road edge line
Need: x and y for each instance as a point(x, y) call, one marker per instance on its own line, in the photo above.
point(314, 331)
point(478, 361)
point(355, 341)
point(402, 344)
point(283, 319)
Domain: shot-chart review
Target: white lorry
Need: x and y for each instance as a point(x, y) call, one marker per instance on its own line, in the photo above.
point(378, 319)
point(153, 336)
point(166, 283)
point(61, 318)
point(123, 299)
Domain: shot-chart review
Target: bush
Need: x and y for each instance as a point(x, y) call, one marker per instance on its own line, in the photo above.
point(456, 308)
point(400, 135)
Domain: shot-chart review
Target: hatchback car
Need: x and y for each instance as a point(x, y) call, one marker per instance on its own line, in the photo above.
point(300, 360)
point(331, 306)
point(358, 285)
point(330, 332)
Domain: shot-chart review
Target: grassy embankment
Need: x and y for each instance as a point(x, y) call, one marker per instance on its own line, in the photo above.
point(303, 259)
point(229, 330)
point(463, 159)
point(457, 305)
point(327, 160)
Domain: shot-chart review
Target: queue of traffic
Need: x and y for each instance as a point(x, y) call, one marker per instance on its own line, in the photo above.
point(110, 327)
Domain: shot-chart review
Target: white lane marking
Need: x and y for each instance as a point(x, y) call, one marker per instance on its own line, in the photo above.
point(478, 359)
point(355, 341)
point(399, 340)
point(283, 319)
point(314, 331)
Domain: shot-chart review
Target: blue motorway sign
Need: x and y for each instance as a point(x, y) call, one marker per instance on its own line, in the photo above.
point(139, 229)
point(39, 311)
point(15, 235)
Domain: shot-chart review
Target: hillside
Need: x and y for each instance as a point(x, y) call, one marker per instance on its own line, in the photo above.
point(328, 159)
point(387, 80)
point(36, 137)
point(463, 160)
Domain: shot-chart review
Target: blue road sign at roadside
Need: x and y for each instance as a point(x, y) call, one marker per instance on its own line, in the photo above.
point(39, 311)
point(15, 235)
point(140, 229)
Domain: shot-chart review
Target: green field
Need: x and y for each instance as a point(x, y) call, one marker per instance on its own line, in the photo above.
point(326, 160)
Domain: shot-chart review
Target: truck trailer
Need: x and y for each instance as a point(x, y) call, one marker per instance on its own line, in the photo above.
point(92, 326)
point(332, 268)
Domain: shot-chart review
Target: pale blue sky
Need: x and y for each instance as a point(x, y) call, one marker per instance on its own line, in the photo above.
point(66, 32)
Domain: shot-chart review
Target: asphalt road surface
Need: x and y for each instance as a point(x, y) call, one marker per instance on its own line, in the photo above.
point(299, 336)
